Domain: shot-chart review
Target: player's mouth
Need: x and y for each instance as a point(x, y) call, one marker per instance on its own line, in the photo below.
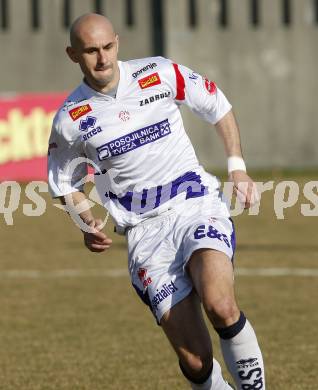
point(103, 68)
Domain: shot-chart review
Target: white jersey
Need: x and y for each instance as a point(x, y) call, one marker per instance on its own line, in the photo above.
point(143, 159)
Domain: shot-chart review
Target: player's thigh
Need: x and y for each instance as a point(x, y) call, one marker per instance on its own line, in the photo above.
point(211, 272)
point(186, 330)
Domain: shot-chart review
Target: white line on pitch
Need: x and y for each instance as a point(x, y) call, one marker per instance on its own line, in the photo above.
point(122, 272)
point(313, 272)
point(64, 273)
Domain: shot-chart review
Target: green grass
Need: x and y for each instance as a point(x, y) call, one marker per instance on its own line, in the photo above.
point(93, 333)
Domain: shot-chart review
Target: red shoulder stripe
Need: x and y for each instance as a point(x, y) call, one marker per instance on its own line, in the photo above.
point(180, 83)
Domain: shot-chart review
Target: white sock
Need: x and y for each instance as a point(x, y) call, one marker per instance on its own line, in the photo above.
point(243, 356)
point(215, 380)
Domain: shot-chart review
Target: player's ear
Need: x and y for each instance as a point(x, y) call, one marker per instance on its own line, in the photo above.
point(72, 54)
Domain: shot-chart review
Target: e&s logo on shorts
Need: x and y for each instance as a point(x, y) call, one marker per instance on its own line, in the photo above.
point(210, 232)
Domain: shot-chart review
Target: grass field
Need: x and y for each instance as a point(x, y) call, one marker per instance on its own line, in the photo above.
point(70, 319)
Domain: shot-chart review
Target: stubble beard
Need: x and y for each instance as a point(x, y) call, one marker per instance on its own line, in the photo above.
point(105, 80)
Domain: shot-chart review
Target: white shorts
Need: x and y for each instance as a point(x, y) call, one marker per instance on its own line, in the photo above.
point(160, 247)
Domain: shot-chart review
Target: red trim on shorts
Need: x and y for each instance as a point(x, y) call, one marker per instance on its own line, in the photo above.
point(180, 83)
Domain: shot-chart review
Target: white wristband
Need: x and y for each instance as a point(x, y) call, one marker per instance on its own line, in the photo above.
point(235, 163)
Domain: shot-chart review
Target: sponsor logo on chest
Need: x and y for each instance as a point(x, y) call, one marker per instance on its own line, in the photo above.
point(88, 125)
point(77, 112)
point(144, 69)
point(124, 115)
point(134, 140)
point(154, 98)
point(149, 81)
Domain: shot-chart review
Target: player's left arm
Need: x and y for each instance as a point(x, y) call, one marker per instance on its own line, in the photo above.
point(243, 185)
point(206, 100)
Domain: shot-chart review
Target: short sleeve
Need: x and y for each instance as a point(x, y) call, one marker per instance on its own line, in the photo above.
point(201, 95)
point(67, 166)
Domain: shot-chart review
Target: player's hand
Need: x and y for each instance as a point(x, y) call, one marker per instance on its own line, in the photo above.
point(96, 240)
point(244, 188)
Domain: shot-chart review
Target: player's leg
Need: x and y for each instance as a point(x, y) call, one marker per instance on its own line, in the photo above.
point(211, 272)
point(186, 330)
point(156, 266)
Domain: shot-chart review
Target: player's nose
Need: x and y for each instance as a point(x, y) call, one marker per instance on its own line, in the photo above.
point(102, 57)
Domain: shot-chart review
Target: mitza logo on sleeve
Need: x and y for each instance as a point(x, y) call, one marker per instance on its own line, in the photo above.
point(134, 140)
point(149, 81)
point(77, 112)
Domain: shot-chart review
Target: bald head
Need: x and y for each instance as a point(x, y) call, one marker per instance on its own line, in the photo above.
point(87, 25)
point(94, 46)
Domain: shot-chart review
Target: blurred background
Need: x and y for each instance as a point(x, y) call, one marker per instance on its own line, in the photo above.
point(69, 319)
point(262, 54)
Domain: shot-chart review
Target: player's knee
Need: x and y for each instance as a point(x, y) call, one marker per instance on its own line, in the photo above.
point(221, 312)
point(199, 364)
point(195, 368)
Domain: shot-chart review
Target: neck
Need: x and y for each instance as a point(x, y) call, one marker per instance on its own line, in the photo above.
point(105, 87)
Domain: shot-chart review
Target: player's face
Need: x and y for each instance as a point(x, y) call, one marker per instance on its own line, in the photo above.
point(96, 53)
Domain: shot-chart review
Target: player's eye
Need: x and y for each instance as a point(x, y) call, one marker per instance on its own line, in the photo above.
point(90, 51)
point(109, 46)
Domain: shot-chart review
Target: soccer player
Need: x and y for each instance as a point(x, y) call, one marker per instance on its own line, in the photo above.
point(124, 119)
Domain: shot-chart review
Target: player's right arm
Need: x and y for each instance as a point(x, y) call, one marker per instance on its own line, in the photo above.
point(77, 206)
point(67, 169)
